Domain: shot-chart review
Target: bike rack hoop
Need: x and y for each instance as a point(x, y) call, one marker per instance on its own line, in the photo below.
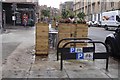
point(69, 39)
point(100, 55)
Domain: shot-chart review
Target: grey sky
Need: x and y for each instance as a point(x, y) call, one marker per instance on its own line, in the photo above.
point(52, 3)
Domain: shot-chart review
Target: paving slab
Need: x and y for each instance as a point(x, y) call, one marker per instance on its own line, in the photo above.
point(48, 74)
point(14, 74)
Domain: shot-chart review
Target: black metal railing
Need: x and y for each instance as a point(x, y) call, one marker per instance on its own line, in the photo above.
point(66, 55)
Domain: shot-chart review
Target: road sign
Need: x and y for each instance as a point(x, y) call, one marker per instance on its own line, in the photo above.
point(76, 50)
point(84, 56)
point(79, 50)
point(79, 56)
point(14, 6)
point(72, 50)
point(13, 18)
point(84, 53)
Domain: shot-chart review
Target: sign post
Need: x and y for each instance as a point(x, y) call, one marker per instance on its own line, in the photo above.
point(14, 6)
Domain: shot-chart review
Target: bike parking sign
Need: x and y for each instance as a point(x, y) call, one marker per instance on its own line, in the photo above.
point(76, 50)
point(80, 55)
point(84, 53)
point(88, 56)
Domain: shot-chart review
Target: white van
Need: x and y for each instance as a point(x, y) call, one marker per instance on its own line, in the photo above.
point(110, 19)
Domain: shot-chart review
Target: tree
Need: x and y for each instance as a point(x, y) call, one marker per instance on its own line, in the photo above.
point(57, 17)
point(45, 13)
point(71, 14)
point(81, 16)
point(65, 14)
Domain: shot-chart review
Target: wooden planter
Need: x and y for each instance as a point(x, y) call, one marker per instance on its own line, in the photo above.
point(69, 30)
point(42, 35)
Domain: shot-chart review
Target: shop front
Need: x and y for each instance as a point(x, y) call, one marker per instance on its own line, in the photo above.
point(15, 13)
point(25, 14)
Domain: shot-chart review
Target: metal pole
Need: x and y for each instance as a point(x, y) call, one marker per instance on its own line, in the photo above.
point(14, 6)
point(107, 61)
point(61, 62)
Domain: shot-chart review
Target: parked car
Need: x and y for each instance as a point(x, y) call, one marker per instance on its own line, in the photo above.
point(96, 23)
point(93, 23)
point(89, 23)
point(113, 43)
point(110, 20)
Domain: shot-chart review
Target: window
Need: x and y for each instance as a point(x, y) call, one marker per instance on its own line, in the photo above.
point(93, 8)
point(105, 5)
point(112, 4)
point(118, 18)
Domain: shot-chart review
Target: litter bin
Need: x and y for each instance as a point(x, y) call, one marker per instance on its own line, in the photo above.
point(53, 38)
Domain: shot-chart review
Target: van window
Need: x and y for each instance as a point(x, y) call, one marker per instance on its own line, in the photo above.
point(118, 18)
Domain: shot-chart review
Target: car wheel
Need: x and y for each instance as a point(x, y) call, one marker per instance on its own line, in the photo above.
point(106, 28)
point(111, 48)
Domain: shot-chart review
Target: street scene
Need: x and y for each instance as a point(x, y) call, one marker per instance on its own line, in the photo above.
point(77, 39)
point(19, 61)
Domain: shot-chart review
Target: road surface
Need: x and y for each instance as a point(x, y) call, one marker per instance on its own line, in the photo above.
point(97, 33)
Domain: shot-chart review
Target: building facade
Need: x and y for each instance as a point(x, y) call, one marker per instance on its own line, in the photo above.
point(68, 5)
point(94, 8)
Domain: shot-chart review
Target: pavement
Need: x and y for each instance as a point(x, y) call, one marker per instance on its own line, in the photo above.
point(19, 60)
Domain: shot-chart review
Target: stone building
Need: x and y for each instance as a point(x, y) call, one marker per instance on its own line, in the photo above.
point(94, 8)
point(68, 5)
